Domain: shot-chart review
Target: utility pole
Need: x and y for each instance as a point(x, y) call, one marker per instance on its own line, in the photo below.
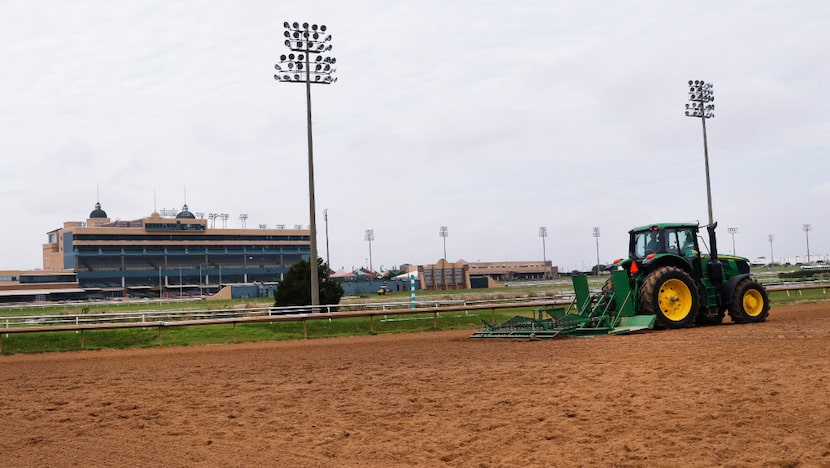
point(443, 233)
point(543, 232)
point(370, 236)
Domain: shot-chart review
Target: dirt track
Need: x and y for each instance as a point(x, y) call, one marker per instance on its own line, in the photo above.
point(738, 395)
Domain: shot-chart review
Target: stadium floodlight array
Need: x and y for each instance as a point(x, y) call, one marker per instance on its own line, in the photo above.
point(701, 96)
point(300, 67)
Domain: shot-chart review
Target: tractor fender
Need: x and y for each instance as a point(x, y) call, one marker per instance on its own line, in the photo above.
point(728, 288)
point(667, 260)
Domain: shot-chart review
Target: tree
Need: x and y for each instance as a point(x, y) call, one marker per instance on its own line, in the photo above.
point(295, 287)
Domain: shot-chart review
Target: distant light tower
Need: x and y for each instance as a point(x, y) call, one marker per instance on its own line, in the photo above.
point(242, 218)
point(326, 218)
point(732, 231)
point(596, 236)
point(543, 232)
point(212, 217)
point(443, 233)
point(807, 229)
point(224, 217)
point(701, 94)
point(370, 236)
point(771, 258)
point(306, 40)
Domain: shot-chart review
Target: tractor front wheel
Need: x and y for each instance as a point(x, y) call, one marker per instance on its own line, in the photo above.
point(670, 294)
point(750, 303)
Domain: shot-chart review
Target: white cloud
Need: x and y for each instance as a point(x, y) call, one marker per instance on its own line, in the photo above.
point(493, 118)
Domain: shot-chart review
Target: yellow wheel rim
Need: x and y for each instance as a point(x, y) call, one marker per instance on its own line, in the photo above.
point(675, 300)
point(753, 303)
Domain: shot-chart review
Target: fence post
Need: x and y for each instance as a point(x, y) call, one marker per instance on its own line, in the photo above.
point(159, 334)
point(435, 320)
point(234, 332)
point(305, 328)
point(82, 339)
point(372, 324)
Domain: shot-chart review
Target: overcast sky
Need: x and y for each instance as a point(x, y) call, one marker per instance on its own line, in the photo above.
point(492, 118)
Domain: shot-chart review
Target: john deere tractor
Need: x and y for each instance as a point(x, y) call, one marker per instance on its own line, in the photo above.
point(680, 286)
point(666, 282)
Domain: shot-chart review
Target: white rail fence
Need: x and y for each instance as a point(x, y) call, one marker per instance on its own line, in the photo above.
point(161, 319)
point(169, 319)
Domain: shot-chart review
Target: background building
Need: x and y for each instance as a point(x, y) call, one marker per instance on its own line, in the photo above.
point(173, 256)
point(465, 275)
point(31, 286)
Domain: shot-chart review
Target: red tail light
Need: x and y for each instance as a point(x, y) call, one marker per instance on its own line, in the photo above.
point(633, 270)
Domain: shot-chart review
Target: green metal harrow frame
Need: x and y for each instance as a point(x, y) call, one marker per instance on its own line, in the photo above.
point(610, 312)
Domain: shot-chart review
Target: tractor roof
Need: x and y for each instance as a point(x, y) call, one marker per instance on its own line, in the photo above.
point(650, 227)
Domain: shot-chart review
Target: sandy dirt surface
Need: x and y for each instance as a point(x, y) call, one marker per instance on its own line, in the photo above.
point(732, 395)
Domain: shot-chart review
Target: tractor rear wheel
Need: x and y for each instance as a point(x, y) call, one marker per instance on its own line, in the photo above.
point(671, 295)
point(750, 303)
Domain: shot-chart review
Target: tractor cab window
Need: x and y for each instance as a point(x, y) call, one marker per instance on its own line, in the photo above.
point(676, 241)
point(687, 242)
point(672, 244)
point(646, 243)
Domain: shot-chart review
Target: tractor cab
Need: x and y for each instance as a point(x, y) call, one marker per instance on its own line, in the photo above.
point(678, 240)
point(673, 244)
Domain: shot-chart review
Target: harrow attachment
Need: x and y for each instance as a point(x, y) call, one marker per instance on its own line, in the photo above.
point(611, 312)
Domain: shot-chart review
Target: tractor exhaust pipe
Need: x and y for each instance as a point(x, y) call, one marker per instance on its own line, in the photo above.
point(715, 266)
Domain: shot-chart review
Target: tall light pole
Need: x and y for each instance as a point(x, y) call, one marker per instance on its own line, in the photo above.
point(732, 231)
point(701, 96)
point(370, 236)
point(326, 219)
point(543, 232)
point(306, 40)
point(596, 236)
point(807, 229)
point(771, 258)
point(443, 233)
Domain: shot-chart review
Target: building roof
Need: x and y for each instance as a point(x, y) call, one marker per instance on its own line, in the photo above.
point(98, 212)
point(185, 213)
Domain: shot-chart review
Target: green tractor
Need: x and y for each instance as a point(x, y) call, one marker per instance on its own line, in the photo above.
point(680, 286)
point(666, 282)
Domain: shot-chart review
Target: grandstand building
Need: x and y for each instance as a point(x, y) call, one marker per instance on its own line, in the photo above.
point(171, 256)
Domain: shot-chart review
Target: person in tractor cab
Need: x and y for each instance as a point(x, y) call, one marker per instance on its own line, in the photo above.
point(654, 244)
point(688, 244)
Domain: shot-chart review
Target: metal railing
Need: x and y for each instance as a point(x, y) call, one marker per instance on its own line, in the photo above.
point(181, 318)
point(161, 319)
